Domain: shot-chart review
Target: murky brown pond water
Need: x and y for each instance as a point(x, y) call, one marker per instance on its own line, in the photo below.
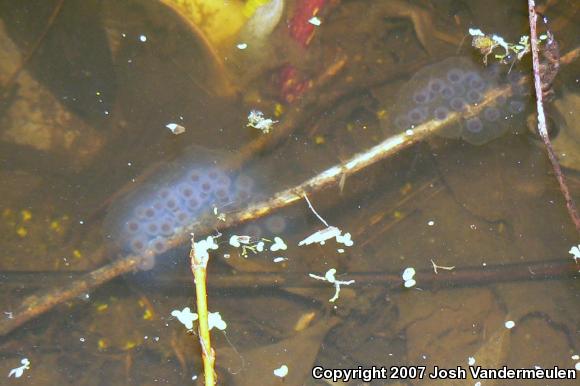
point(90, 173)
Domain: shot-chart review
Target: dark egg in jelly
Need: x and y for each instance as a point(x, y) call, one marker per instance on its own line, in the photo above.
point(454, 85)
point(146, 219)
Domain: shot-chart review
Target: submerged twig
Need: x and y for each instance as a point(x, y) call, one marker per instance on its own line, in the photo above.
point(549, 269)
point(34, 47)
point(199, 270)
point(36, 305)
point(542, 128)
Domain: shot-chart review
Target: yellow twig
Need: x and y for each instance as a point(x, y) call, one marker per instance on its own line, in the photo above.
point(198, 268)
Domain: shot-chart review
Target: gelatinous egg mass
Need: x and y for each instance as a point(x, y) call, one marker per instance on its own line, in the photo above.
point(454, 85)
point(145, 220)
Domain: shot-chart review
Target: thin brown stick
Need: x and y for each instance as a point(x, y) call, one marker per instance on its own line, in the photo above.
point(32, 50)
point(36, 305)
point(542, 128)
point(389, 147)
point(549, 269)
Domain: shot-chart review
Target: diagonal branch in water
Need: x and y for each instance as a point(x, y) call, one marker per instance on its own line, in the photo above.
point(542, 128)
point(9, 81)
point(37, 304)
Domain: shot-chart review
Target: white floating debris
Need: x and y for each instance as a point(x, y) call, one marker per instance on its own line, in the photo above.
point(340, 250)
point(281, 371)
point(242, 46)
point(278, 245)
point(236, 241)
point(257, 120)
point(143, 38)
point(214, 319)
point(345, 239)
point(575, 252)
point(500, 42)
point(18, 371)
point(330, 277)
point(575, 357)
point(471, 361)
point(260, 246)
point(321, 236)
point(436, 267)
point(510, 324)
point(408, 275)
point(314, 21)
point(577, 366)
point(410, 283)
point(185, 316)
point(279, 259)
point(430, 223)
point(175, 128)
point(219, 215)
point(409, 132)
point(202, 247)
point(476, 32)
